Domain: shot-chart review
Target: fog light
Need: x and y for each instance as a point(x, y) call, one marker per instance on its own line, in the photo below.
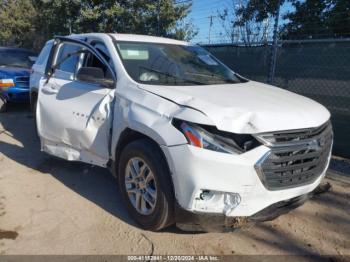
point(216, 202)
point(206, 195)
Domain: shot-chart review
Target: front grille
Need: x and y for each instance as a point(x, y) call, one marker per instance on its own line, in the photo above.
point(22, 81)
point(294, 137)
point(296, 157)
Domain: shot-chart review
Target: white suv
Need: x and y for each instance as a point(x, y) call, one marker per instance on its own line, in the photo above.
point(190, 141)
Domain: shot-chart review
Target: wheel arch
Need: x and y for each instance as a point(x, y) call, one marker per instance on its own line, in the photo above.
point(147, 145)
point(129, 135)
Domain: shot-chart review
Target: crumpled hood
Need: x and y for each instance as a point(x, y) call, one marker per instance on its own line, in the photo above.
point(13, 71)
point(250, 107)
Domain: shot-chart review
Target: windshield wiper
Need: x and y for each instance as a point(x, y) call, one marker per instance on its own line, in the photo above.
point(215, 76)
point(173, 76)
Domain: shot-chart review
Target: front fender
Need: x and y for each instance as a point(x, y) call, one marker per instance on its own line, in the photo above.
point(147, 114)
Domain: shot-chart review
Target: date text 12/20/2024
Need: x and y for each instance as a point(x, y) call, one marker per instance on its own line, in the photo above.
point(173, 258)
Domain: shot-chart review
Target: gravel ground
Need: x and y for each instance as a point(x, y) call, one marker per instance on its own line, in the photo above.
point(51, 206)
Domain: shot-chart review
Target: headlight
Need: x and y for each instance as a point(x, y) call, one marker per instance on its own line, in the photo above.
point(4, 83)
point(210, 138)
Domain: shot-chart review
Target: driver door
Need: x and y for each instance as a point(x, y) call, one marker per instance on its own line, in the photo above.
point(75, 103)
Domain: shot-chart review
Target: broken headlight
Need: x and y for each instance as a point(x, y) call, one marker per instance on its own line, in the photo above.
point(209, 137)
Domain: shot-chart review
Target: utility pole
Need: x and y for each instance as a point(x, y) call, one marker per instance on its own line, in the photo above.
point(210, 25)
point(70, 26)
point(274, 45)
point(158, 18)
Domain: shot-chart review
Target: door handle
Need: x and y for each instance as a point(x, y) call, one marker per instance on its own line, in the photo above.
point(50, 89)
point(54, 87)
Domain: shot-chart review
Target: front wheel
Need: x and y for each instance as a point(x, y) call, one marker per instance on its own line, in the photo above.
point(145, 185)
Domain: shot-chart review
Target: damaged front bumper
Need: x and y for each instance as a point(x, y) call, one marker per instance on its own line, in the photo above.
point(218, 183)
point(190, 221)
point(217, 191)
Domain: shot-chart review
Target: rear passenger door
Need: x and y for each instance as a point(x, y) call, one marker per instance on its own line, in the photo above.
point(75, 112)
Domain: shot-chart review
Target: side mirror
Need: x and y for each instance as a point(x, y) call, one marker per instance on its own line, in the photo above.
point(94, 75)
point(90, 74)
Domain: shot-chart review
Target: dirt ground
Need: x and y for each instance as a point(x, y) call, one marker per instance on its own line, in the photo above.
point(51, 206)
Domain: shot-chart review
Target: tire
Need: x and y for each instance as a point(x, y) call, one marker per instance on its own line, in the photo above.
point(3, 104)
point(145, 155)
point(33, 101)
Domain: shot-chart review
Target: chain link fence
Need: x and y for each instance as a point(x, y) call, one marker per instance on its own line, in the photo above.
point(319, 69)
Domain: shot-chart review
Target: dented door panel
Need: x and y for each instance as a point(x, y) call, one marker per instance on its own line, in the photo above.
point(78, 117)
point(74, 118)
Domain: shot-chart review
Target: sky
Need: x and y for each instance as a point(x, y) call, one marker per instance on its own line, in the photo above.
point(200, 16)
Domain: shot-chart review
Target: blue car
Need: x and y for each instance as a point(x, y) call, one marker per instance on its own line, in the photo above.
point(15, 64)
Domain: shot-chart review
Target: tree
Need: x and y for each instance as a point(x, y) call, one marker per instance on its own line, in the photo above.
point(318, 19)
point(338, 18)
point(309, 19)
point(47, 18)
point(259, 10)
point(136, 16)
point(184, 31)
point(17, 22)
point(56, 17)
point(237, 28)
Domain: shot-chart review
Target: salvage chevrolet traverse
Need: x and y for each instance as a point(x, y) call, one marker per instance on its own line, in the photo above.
point(190, 141)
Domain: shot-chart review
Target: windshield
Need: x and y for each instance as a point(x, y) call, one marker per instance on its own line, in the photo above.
point(170, 64)
point(16, 58)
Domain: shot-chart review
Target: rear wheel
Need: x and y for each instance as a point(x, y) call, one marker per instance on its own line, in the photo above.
point(145, 185)
point(3, 103)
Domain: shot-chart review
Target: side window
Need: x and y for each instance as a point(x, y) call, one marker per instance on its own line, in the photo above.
point(90, 60)
point(68, 58)
point(101, 48)
point(43, 56)
point(92, 70)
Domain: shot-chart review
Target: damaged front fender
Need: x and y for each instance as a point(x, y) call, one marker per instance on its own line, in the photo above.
point(147, 114)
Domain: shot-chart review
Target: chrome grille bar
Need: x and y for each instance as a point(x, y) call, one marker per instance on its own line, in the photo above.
point(284, 138)
point(22, 81)
point(299, 160)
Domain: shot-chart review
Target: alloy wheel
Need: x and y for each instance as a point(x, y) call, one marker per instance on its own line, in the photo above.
point(140, 186)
